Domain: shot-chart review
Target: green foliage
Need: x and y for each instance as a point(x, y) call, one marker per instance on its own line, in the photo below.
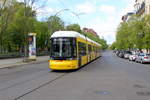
point(74, 27)
point(113, 46)
point(102, 42)
point(41, 28)
point(134, 34)
point(6, 11)
point(21, 25)
point(122, 38)
point(16, 22)
point(55, 24)
point(18, 19)
point(146, 31)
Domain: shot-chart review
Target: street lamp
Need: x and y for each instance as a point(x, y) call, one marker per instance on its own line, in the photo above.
point(74, 13)
point(61, 11)
point(58, 12)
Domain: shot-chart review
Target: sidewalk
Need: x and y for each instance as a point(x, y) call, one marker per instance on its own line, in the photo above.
point(7, 63)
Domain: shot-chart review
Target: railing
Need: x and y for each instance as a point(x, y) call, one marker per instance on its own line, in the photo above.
point(19, 55)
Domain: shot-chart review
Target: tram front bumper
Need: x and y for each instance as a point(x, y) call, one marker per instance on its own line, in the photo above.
point(63, 64)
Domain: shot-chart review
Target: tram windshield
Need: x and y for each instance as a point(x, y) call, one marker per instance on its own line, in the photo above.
point(62, 47)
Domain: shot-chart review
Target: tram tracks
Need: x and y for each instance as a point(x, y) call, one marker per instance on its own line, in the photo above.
point(21, 82)
point(41, 85)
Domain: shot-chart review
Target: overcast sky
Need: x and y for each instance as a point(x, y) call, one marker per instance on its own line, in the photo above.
point(103, 16)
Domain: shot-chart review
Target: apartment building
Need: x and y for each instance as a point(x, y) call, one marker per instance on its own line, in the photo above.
point(142, 7)
point(92, 31)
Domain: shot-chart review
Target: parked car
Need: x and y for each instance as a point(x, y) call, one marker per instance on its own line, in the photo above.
point(143, 58)
point(121, 54)
point(133, 56)
point(127, 54)
point(114, 51)
point(117, 52)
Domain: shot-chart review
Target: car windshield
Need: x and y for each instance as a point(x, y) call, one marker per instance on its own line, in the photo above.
point(128, 52)
point(135, 53)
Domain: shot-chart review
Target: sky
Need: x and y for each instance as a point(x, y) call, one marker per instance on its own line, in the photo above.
point(103, 16)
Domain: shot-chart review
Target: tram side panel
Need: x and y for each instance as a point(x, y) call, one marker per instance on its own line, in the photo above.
point(86, 52)
point(82, 52)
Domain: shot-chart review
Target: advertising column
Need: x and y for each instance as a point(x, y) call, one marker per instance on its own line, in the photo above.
point(32, 46)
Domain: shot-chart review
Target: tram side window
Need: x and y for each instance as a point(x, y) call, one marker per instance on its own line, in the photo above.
point(89, 48)
point(93, 49)
point(74, 48)
point(82, 49)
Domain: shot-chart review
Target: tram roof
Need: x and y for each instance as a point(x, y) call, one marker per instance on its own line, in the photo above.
point(71, 34)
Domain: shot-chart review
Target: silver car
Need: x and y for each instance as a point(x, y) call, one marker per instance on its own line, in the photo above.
point(127, 54)
point(143, 58)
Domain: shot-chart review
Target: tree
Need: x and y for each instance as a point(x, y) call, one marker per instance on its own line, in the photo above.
point(6, 11)
point(41, 28)
point(134, 34)
point(146, 31)
point(136, 26)
point(113, 46)
point(21, 25)
point(122, 37)
point(55, 24)
point(104, 44)
point(74, 27)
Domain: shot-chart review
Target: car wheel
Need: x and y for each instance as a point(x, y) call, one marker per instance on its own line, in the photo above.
point(136, 61)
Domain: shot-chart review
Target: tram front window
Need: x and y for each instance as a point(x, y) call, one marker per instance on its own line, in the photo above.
point(62, 48)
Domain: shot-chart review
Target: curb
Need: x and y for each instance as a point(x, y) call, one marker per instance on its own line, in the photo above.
point(22, 64)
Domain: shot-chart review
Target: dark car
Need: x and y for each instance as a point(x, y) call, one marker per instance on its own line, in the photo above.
point(117, 52)
point(121, 54)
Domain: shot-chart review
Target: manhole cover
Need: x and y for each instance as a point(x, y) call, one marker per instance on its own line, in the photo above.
point(146, 93)
point(102, 92)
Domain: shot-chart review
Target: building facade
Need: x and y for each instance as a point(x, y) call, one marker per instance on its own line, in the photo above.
point(142, 7)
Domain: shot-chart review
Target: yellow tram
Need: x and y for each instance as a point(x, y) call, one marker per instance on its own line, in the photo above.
point(71, 50)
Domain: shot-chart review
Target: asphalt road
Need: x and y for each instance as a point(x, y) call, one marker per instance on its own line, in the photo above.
point(107, 78)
